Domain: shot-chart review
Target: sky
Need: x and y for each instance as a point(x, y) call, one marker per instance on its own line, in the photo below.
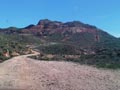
point(105, 14)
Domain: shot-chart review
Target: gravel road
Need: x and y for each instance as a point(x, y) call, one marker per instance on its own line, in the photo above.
point(22, 73)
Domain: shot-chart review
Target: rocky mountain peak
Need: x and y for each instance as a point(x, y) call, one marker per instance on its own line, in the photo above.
point(44, 21)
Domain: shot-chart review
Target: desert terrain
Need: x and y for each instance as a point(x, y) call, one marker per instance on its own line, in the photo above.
point(23, 73)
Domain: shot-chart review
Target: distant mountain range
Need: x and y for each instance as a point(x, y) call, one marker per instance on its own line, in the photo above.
point(76, 33)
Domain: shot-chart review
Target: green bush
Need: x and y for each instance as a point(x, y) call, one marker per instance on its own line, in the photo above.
point(60, 49)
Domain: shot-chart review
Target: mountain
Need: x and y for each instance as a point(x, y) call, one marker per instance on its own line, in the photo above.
point(75, 33)
point(95, 46)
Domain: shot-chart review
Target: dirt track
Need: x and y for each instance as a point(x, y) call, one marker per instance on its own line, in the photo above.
point(22, 73)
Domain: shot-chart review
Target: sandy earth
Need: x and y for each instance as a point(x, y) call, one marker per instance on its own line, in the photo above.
point(22, 73)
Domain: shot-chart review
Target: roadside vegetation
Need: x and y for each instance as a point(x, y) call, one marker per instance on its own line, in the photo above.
point(14, 45)
point(101, 58)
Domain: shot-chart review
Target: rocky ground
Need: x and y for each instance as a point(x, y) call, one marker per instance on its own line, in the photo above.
point(22, 73)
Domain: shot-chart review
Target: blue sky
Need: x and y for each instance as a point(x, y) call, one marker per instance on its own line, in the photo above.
point(104, 14)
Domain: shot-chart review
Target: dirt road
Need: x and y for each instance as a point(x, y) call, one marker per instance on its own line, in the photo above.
point(22, 73)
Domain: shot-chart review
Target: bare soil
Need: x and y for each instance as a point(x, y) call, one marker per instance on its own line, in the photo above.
point(22, 73)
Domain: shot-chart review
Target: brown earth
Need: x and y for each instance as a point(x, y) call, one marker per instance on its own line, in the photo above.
point(22, 73)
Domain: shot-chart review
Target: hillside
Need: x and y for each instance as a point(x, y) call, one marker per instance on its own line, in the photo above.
point(89, 44)
point(15, 44)
point(74, 32)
